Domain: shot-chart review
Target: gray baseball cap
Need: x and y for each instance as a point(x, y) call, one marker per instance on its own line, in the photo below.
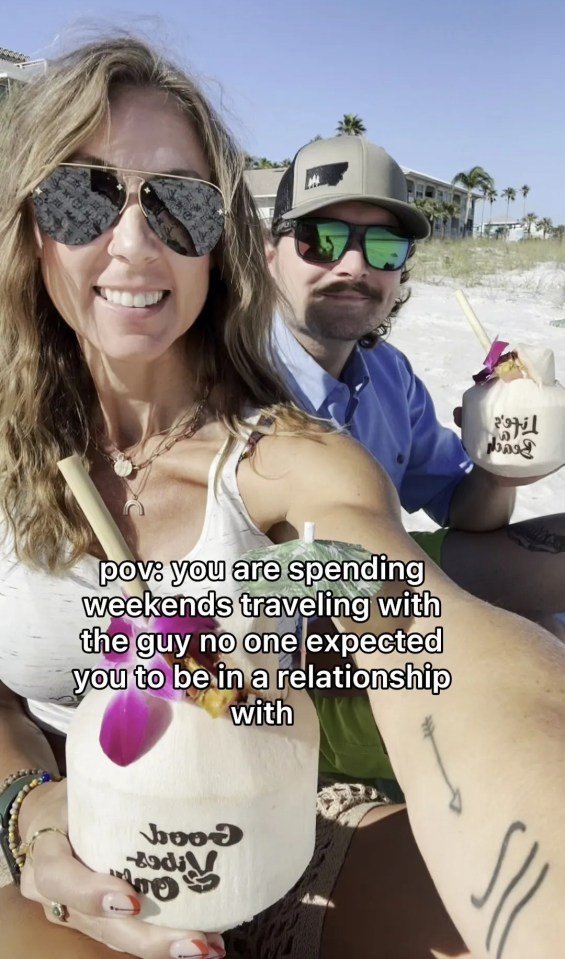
point(346, 168)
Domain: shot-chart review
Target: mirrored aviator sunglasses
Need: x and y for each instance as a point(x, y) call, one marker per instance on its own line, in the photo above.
point(78, 202)
point(326, 241)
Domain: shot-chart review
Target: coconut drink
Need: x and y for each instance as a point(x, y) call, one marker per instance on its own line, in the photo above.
point(513, 420)
point(210, 821)
point(213, 823)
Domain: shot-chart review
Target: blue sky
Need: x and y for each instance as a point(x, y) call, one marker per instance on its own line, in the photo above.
point(443, 86)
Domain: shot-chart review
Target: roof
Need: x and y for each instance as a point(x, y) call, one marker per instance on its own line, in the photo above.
point(266, 182)
point(433, 179)
point(11, 57)
point(506, 221)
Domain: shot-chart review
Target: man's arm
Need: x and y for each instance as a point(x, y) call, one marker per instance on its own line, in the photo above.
point(481, 502)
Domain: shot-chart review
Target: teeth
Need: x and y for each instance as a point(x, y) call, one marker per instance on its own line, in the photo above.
point(124, 298)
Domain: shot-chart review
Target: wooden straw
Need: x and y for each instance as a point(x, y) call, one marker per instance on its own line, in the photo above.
point(99, 517)
point(473, 320)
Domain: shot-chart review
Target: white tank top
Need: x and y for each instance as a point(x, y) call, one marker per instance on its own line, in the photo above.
point(42, 615)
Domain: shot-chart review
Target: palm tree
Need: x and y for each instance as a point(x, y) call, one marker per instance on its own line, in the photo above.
point(559, 231)
point(430, 209)
point(510, 194)
point(529, 220)
point(491, 196)
point(447, 212)
point(545, 225)
point(474, 179)
point(350, 125)
point(524, 190)
point(487, 191)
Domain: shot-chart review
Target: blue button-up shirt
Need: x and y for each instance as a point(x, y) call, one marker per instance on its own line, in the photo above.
point(383, 404)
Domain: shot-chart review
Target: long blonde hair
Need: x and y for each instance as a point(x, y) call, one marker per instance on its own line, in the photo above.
point(47, 396)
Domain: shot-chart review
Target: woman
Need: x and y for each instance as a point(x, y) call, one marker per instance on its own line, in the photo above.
point(135, 309)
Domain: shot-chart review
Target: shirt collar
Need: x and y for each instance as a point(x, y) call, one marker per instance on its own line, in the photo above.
point(307, 378)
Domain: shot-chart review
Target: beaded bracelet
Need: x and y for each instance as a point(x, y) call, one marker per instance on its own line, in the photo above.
point(18, 775)
point(14, 838)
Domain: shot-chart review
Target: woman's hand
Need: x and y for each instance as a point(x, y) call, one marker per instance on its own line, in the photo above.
point(102, 907)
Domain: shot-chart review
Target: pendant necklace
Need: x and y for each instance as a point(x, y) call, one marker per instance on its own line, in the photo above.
point(124, 465)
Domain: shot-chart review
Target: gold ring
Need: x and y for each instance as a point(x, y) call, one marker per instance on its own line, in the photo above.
point(59, 911)
point(26, 848)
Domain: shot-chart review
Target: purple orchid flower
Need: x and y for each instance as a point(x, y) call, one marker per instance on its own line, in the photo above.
point(133, 719)
point(492, 358)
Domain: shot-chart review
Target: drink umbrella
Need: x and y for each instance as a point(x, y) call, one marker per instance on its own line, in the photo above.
point(314, 554)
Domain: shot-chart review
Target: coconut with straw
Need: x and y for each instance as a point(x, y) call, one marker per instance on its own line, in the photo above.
point(212, 822)
point(513, 419)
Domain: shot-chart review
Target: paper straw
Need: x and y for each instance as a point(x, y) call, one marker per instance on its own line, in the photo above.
point(473, 321)
point(309, 534)
point(99, 517)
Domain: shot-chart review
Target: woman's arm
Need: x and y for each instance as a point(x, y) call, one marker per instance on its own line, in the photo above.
point(22, 744)
point(482, 762)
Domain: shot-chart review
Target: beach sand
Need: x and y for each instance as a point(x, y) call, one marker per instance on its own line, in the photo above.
point(444, 352)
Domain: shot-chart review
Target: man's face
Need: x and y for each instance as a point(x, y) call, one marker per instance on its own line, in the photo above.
point(336, 301)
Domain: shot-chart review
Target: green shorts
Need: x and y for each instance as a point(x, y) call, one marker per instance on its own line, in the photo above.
point(431, 543)
point(350, 744)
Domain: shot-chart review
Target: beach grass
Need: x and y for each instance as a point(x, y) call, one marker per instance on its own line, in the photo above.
point(474, 262)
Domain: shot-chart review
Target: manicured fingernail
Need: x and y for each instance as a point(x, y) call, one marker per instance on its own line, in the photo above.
point(216, 948)
point(189, 949)
point(118, 904)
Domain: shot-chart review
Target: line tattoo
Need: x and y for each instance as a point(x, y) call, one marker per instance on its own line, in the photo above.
point(456, 804)
point(536, 538)
point(479, 901)
point(513, 882)
point(519, 905)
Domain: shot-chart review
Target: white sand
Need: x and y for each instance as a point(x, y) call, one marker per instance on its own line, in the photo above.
point(445, 353)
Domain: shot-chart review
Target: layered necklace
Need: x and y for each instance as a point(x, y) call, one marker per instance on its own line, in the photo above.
point(124, 465)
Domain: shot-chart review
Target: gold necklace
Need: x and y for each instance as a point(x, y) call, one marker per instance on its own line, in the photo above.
point(166, 443)
point(124, 466)
point(134, 497)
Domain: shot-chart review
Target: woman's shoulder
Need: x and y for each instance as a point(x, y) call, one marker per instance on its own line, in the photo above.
point(288, 461)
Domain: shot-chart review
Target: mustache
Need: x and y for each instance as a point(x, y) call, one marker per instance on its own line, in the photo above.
point(360, 288)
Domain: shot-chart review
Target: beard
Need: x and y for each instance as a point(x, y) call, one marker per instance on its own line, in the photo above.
point(331, 318)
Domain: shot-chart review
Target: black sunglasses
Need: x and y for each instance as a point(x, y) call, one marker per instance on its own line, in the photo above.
point(320, 240)
point(78, 202)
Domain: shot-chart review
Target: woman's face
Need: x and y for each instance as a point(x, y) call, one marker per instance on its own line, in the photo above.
point(148, 133)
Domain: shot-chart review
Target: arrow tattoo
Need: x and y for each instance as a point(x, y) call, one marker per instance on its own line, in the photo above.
point(456, 804)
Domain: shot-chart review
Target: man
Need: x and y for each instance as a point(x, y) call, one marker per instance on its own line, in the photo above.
point(343, 231)
point(342, 284)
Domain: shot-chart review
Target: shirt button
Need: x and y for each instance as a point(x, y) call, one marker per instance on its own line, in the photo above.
point(400, 458)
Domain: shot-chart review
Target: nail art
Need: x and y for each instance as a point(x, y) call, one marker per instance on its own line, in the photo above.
point(118, 904)
point(189, 949)
point(216, 948)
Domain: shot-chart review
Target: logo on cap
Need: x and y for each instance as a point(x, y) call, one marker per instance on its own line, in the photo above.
point(329, 174)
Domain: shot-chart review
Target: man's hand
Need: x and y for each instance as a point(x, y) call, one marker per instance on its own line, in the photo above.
point(503, 481)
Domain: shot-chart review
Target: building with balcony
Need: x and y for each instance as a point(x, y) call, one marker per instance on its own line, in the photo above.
point(264, 185)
